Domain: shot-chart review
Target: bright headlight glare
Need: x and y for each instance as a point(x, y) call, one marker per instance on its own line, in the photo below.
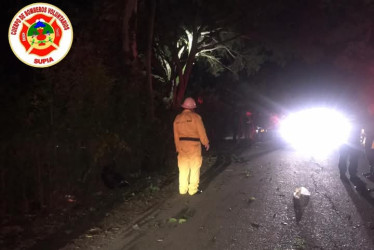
point(315, 131)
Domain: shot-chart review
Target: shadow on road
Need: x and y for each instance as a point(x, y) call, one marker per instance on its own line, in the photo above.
point(299, 206)
point(359, 189)
point(225, 159)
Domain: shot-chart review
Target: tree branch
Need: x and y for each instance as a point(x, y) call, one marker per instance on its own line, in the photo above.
point(210, 46)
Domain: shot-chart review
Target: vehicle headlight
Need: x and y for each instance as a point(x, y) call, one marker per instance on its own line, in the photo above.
point(315, 131)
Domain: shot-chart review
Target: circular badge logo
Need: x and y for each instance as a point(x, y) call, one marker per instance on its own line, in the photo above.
point(40, 35)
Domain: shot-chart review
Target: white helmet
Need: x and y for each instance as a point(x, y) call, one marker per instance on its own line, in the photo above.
point(189, 103)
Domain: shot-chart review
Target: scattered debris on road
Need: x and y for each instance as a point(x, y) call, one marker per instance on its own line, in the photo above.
point(301, 191)
point(172, 220)
point(255, 225)
point(301, 199)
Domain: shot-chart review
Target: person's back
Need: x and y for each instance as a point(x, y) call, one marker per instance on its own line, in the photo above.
point(189, 133)
point(188, 126)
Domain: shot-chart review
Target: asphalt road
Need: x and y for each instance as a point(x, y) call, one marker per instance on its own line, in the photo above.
point(247, 203)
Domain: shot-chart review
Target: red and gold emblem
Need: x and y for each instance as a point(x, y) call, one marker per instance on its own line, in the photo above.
point(40, 35)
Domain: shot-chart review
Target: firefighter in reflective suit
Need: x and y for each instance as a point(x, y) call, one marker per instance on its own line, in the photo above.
point(189, 134)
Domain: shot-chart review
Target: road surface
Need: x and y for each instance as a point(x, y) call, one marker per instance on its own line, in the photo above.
point(247, 203)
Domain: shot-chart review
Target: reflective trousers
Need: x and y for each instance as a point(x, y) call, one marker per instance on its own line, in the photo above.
point(189, 173)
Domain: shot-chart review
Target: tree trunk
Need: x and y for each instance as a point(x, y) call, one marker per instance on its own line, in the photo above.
point(135, 79)
point(129, 45)
point(184, 78)
point(151, 21)
point(39, 177)
point(178, 92)
point(3, 193)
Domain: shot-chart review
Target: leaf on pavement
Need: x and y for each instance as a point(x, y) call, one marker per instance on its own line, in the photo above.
point(181, 221)
point(248, 174)
point(94, 230)
point(153, 188)
point(172, 220)
point(251, 199)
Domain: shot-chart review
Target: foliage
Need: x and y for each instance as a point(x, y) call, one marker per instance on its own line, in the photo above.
point(196, 31)
point(71, 120)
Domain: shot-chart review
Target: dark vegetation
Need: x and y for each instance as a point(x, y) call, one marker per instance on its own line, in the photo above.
point(63, 125)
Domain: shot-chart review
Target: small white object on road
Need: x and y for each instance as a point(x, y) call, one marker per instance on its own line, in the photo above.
point(301, 191)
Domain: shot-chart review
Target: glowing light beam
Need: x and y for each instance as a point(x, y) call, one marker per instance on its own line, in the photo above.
point(316, 131)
